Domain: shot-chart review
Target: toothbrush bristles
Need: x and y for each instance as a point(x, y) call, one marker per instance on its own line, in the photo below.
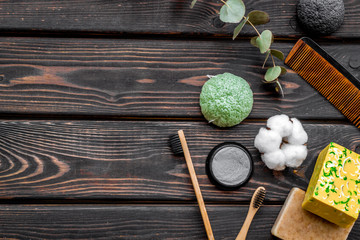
point(175, 144)
point(259, 197)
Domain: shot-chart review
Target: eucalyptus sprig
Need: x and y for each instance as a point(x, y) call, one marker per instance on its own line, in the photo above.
point(233, 11)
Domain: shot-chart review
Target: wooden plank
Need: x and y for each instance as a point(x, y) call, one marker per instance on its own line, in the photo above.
point(144, 78)
point(131, 160)
point(154, 16)
point(129, 222)
point(133, 222)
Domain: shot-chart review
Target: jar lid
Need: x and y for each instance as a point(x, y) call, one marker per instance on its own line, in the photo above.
point(229, 165)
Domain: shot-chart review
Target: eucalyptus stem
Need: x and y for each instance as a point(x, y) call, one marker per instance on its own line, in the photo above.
point(279, 87)
point(252, 26)
point(233, 11)
point(272, 58)
point(225, 4)
point(266, 58)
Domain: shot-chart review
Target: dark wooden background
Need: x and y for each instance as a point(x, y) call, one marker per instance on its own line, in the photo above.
point(91, 90)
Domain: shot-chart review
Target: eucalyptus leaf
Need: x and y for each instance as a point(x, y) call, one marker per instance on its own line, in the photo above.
point(278, 54)
point(232, 11)
point(253, 41)
point(238, 29)
point(193, 3)
point(272, 73)
point(283, 71)
point(264, 41)
point(258, 17)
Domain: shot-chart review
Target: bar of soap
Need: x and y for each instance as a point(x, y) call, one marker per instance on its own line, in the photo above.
point(294, 223)
point(333, 192)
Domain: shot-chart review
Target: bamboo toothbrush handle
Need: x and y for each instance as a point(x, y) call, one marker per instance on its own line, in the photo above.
point(196, 186)
point(244, 230)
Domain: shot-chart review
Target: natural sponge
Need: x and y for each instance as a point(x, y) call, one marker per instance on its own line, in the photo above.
point(321, 16)
point(226, 100)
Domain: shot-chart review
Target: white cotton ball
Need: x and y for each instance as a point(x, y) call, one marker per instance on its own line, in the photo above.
point(282, 130)
point(298, 135)
point(267, 140)
point(281, 124)
point(294, 154)
point(274, 160)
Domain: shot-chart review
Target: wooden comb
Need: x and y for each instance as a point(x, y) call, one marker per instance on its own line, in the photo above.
point(327, 76)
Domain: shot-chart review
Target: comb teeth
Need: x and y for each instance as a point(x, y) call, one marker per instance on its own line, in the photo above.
point(259, 197)
point(327, 79)
point(175, 144)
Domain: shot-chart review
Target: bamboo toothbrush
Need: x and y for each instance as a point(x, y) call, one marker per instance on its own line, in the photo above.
point(256, 202)
point(179, 146)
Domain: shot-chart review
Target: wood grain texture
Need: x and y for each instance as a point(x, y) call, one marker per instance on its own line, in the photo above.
point(133, 222)
point(145, 78)
point(154, 16)
point(143, 59)
point(129, 222)
point(131, 160)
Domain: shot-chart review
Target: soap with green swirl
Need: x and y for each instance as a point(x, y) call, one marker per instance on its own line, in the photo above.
point(333, 192)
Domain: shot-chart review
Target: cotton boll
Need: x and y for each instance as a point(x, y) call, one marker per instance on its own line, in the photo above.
point(267, 140)
point(294, 154)
point(298, 135)
point(282, 130)
point(274, 160)
point(281, 124)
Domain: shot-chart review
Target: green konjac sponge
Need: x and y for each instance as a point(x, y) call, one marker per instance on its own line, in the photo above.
point(226, 100)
